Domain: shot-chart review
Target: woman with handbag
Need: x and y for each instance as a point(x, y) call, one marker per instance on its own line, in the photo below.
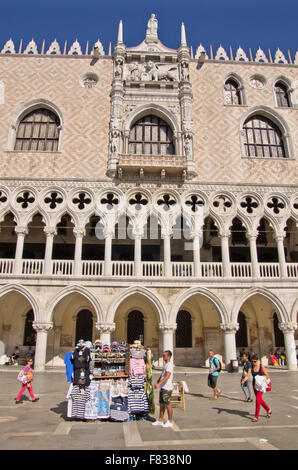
point(27, 379)
point(259, 370)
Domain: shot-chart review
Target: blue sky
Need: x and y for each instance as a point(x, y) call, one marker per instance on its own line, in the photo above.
point(268, 23)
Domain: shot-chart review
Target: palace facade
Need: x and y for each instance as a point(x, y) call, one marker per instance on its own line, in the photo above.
point(150, 193)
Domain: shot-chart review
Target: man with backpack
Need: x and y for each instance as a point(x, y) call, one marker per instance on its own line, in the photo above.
point(214, 369)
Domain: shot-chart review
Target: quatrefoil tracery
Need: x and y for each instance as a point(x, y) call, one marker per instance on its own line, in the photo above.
point(25, 199)
point(81, 200)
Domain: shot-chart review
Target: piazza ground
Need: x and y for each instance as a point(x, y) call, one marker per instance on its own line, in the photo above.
point(224, 424)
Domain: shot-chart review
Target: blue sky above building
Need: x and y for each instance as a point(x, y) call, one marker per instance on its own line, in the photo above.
point(266, 23)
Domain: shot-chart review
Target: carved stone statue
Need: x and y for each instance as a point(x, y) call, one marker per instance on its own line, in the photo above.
point(114, 145)
point(152, 26)
point(184, 71)
point(134, 72)
point(188, 146)
point(118, 68)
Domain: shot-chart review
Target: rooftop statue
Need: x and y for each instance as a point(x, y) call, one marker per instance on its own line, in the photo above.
point(152, 26)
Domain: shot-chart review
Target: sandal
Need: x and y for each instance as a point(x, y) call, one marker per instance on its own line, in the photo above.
point(254, 420)
point(269, 414)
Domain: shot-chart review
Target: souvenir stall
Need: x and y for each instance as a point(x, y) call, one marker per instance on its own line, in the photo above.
point(119, 385)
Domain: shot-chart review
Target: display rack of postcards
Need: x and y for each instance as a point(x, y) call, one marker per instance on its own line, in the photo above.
point(110, 361)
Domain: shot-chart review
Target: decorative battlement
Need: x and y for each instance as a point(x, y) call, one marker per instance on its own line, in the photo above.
point(279, 57)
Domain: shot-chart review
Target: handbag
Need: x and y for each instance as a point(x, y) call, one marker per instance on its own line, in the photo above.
point(22, 377)
point(269, 386)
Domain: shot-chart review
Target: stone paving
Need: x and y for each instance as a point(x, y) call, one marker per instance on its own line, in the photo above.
point(224, 424)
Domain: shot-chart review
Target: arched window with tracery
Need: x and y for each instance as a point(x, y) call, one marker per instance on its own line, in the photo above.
point(151, 135)
point(38, 131)
point(282, 95)
point(262, 138)
point(232, 94)
point(184, 330)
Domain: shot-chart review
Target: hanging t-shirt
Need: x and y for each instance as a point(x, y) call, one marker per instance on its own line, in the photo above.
point(68, 366)
point(168, 367)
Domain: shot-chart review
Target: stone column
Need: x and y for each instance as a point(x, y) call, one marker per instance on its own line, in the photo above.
point(42, 329)
point(105, 330)
point(229, 330)
point(50, 232)
point(108, 253)
point(254, 254)
point(281, 255)
point(21, 233)
point(166, 235)
point(79, 234)
point(225, 254)
point(288, 330)
point(196, 254)
point(138, 255)
point(168, 331)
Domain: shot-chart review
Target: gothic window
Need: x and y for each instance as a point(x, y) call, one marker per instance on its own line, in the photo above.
point(184, 330)
point(151, 135)
point(241, 334)
point(135, 327)
point(29, 332)
point(262, 138)
point(232, 93)
point(282, 95)
point(38, 131)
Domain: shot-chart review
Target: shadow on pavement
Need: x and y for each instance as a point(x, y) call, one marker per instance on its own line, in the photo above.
point(243, 414)
point(61, 410)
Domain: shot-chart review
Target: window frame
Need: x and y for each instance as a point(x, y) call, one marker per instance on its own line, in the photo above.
point(146, 140)
point(265, 136)
point(39, 131)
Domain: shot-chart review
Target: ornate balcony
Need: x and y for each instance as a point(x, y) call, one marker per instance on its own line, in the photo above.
point(172, 164)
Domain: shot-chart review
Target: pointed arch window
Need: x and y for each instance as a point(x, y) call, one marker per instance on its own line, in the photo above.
point(38, 131)
point(232, 93)
point(262, 138)
point(282, 95)
point(151, 135)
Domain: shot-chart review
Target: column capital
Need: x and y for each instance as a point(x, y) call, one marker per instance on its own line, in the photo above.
point(225, 233)
point(21, 230)
point(229, 327)
point(166, 232)
point(50, 231)
point(44, 327)
point(79, 232)
point(106, 327)
point(168, 327)
point(288, 327)
point(253, 235)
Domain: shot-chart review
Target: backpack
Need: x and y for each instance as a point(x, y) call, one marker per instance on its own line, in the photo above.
point(219, 363)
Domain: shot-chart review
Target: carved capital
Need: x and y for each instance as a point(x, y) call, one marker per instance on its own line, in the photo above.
point(79, 232)
point(50, 231)
point(105, 327)
point(21, 230)
point(229, 327)
point(168, 327)
point(42, 327)
point(288, 327)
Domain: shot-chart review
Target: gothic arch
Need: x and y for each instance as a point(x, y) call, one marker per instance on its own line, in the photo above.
point(155, 109)
point(179, 301)
point(71, 290)
point(278, 305)
point(141, 291)
point(26, 293)
point(294, 312)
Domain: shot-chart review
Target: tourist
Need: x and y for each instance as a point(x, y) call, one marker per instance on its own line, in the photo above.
point(165, 382)
point(258, 369)
point(247, 378)
point(15, 355)
point(214, 368)
point(29, 373)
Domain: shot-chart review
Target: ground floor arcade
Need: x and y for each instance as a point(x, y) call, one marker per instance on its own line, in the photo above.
point(188, 319)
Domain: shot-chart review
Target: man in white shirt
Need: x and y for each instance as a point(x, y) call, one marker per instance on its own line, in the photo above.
point(165, 382)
